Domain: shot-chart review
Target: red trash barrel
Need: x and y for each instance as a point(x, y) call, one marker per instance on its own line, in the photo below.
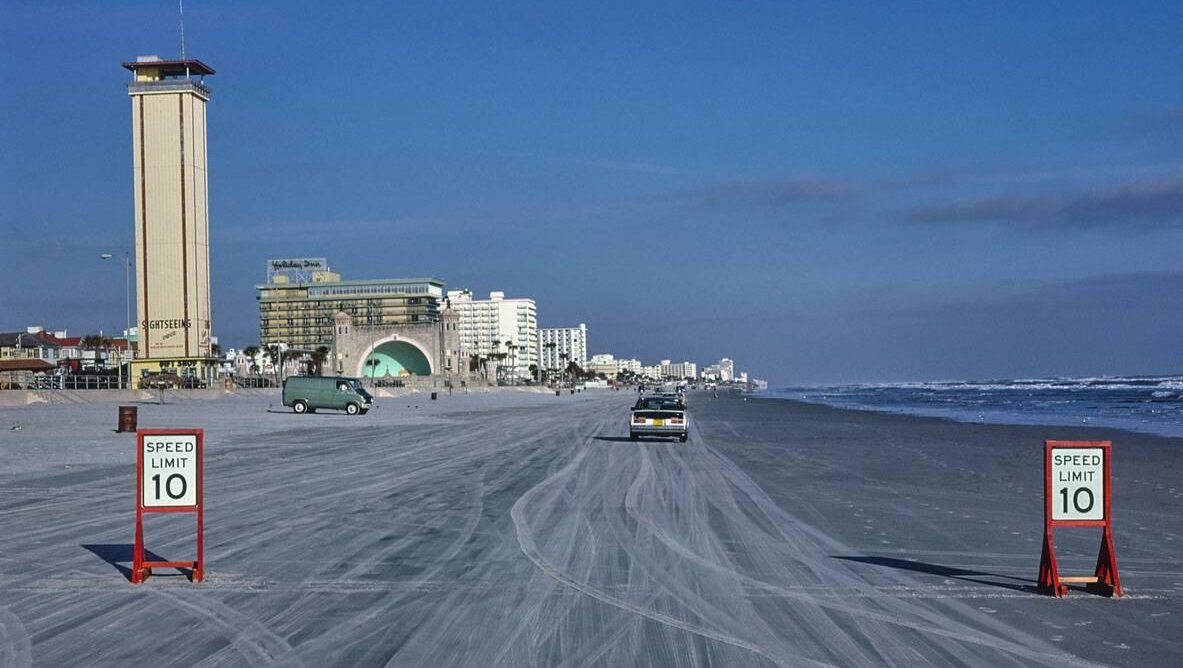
point(127, 418)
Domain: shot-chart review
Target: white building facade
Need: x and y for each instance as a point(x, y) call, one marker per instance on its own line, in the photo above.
point(679, 370)
point(498, 326)
point(723, 371)
point(559, 346)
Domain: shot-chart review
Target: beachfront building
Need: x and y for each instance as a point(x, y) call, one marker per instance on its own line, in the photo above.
point(31, 344)
point(603, 364)
point(722, 372)
point(498, 328)
point(560, 346)
point(170, 184)
point(632, 366)
point(679, 370)
point(611, 367)
point(301, 297)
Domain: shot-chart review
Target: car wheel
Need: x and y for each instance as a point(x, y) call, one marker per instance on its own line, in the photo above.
point(632, 436)
point(352, 409)
point(300, 407)
point(683, 438)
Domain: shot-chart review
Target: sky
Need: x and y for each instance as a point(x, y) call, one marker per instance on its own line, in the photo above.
point(823, 192)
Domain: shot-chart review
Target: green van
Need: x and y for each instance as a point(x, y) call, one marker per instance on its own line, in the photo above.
point(305, 394)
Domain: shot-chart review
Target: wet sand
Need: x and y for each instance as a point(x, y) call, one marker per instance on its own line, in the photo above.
point(512, 529)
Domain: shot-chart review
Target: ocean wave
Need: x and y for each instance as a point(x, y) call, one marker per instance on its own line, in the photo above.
point(1145, 403)
point(1031, 384)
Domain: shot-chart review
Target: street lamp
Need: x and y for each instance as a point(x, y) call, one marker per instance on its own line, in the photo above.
point(127, 306)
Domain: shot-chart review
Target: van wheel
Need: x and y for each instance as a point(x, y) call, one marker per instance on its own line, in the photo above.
point(300, 406)
point(352, 409)
point(683, 438)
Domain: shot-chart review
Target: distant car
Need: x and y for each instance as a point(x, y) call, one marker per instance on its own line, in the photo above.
point(305, 394)
point(160, 381)
point(659, 416)
point(192, 383)
point(673, 396)
point(171, 381)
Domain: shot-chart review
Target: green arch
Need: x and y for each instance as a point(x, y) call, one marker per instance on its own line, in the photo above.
point(396, 358)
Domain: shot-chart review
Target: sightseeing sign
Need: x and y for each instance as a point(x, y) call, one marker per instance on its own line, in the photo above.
point(1077, 494)
point(168, 480)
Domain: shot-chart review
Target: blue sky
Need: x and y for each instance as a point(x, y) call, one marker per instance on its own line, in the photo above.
point(821, 191)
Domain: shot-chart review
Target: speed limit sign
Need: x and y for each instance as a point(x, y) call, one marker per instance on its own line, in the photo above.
point(1077, 493)
point(169, 472)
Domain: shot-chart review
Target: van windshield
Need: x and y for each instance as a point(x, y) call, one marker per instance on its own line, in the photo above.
point(356, 386)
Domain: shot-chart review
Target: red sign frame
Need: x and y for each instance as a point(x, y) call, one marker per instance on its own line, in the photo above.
point(1105, 579)
point(142, 568)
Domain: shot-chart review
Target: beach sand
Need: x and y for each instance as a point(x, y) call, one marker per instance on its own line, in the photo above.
point(523, 529)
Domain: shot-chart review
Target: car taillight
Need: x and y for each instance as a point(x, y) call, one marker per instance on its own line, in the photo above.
point(676, 420)
point(638, 420)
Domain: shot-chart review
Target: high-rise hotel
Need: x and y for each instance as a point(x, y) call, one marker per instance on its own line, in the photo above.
point(168, 99)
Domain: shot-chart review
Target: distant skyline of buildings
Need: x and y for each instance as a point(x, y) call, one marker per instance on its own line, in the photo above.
point(375, 327)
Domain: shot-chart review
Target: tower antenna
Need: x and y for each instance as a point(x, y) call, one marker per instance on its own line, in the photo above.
point(181, 9)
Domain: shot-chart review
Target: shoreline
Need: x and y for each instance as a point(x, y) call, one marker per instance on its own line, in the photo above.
point(996, 417)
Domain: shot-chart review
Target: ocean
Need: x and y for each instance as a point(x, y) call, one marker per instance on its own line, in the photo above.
point(1151, 404)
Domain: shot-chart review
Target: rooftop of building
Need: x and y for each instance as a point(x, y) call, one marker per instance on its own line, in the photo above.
point(25, 365)
point(184, 67)
point(26, 340)
point(353, 283)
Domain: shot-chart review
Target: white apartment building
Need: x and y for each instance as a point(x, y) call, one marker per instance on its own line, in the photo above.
point(558, 347)
point(486, 325)
point(651, 372)
point(603, 363)
point(724, 371)
point(679, 370)
point(632, 365)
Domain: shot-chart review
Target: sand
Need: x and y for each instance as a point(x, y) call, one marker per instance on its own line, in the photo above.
point(515, 529)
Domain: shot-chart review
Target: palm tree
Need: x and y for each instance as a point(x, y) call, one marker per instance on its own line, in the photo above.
point(96, 342)
point(250, 352)
point(551, 347)
point(564, 357)
point(274, 352)
point(513, 360)
point(318, 359)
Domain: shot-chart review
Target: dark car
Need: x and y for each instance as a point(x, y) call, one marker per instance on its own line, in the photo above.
point(160, 381)
point(171, 381)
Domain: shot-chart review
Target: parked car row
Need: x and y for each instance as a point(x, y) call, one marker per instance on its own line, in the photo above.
point(171, 381)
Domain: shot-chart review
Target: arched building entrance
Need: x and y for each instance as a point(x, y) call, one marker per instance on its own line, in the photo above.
point(396, 359)
point(405, 352)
